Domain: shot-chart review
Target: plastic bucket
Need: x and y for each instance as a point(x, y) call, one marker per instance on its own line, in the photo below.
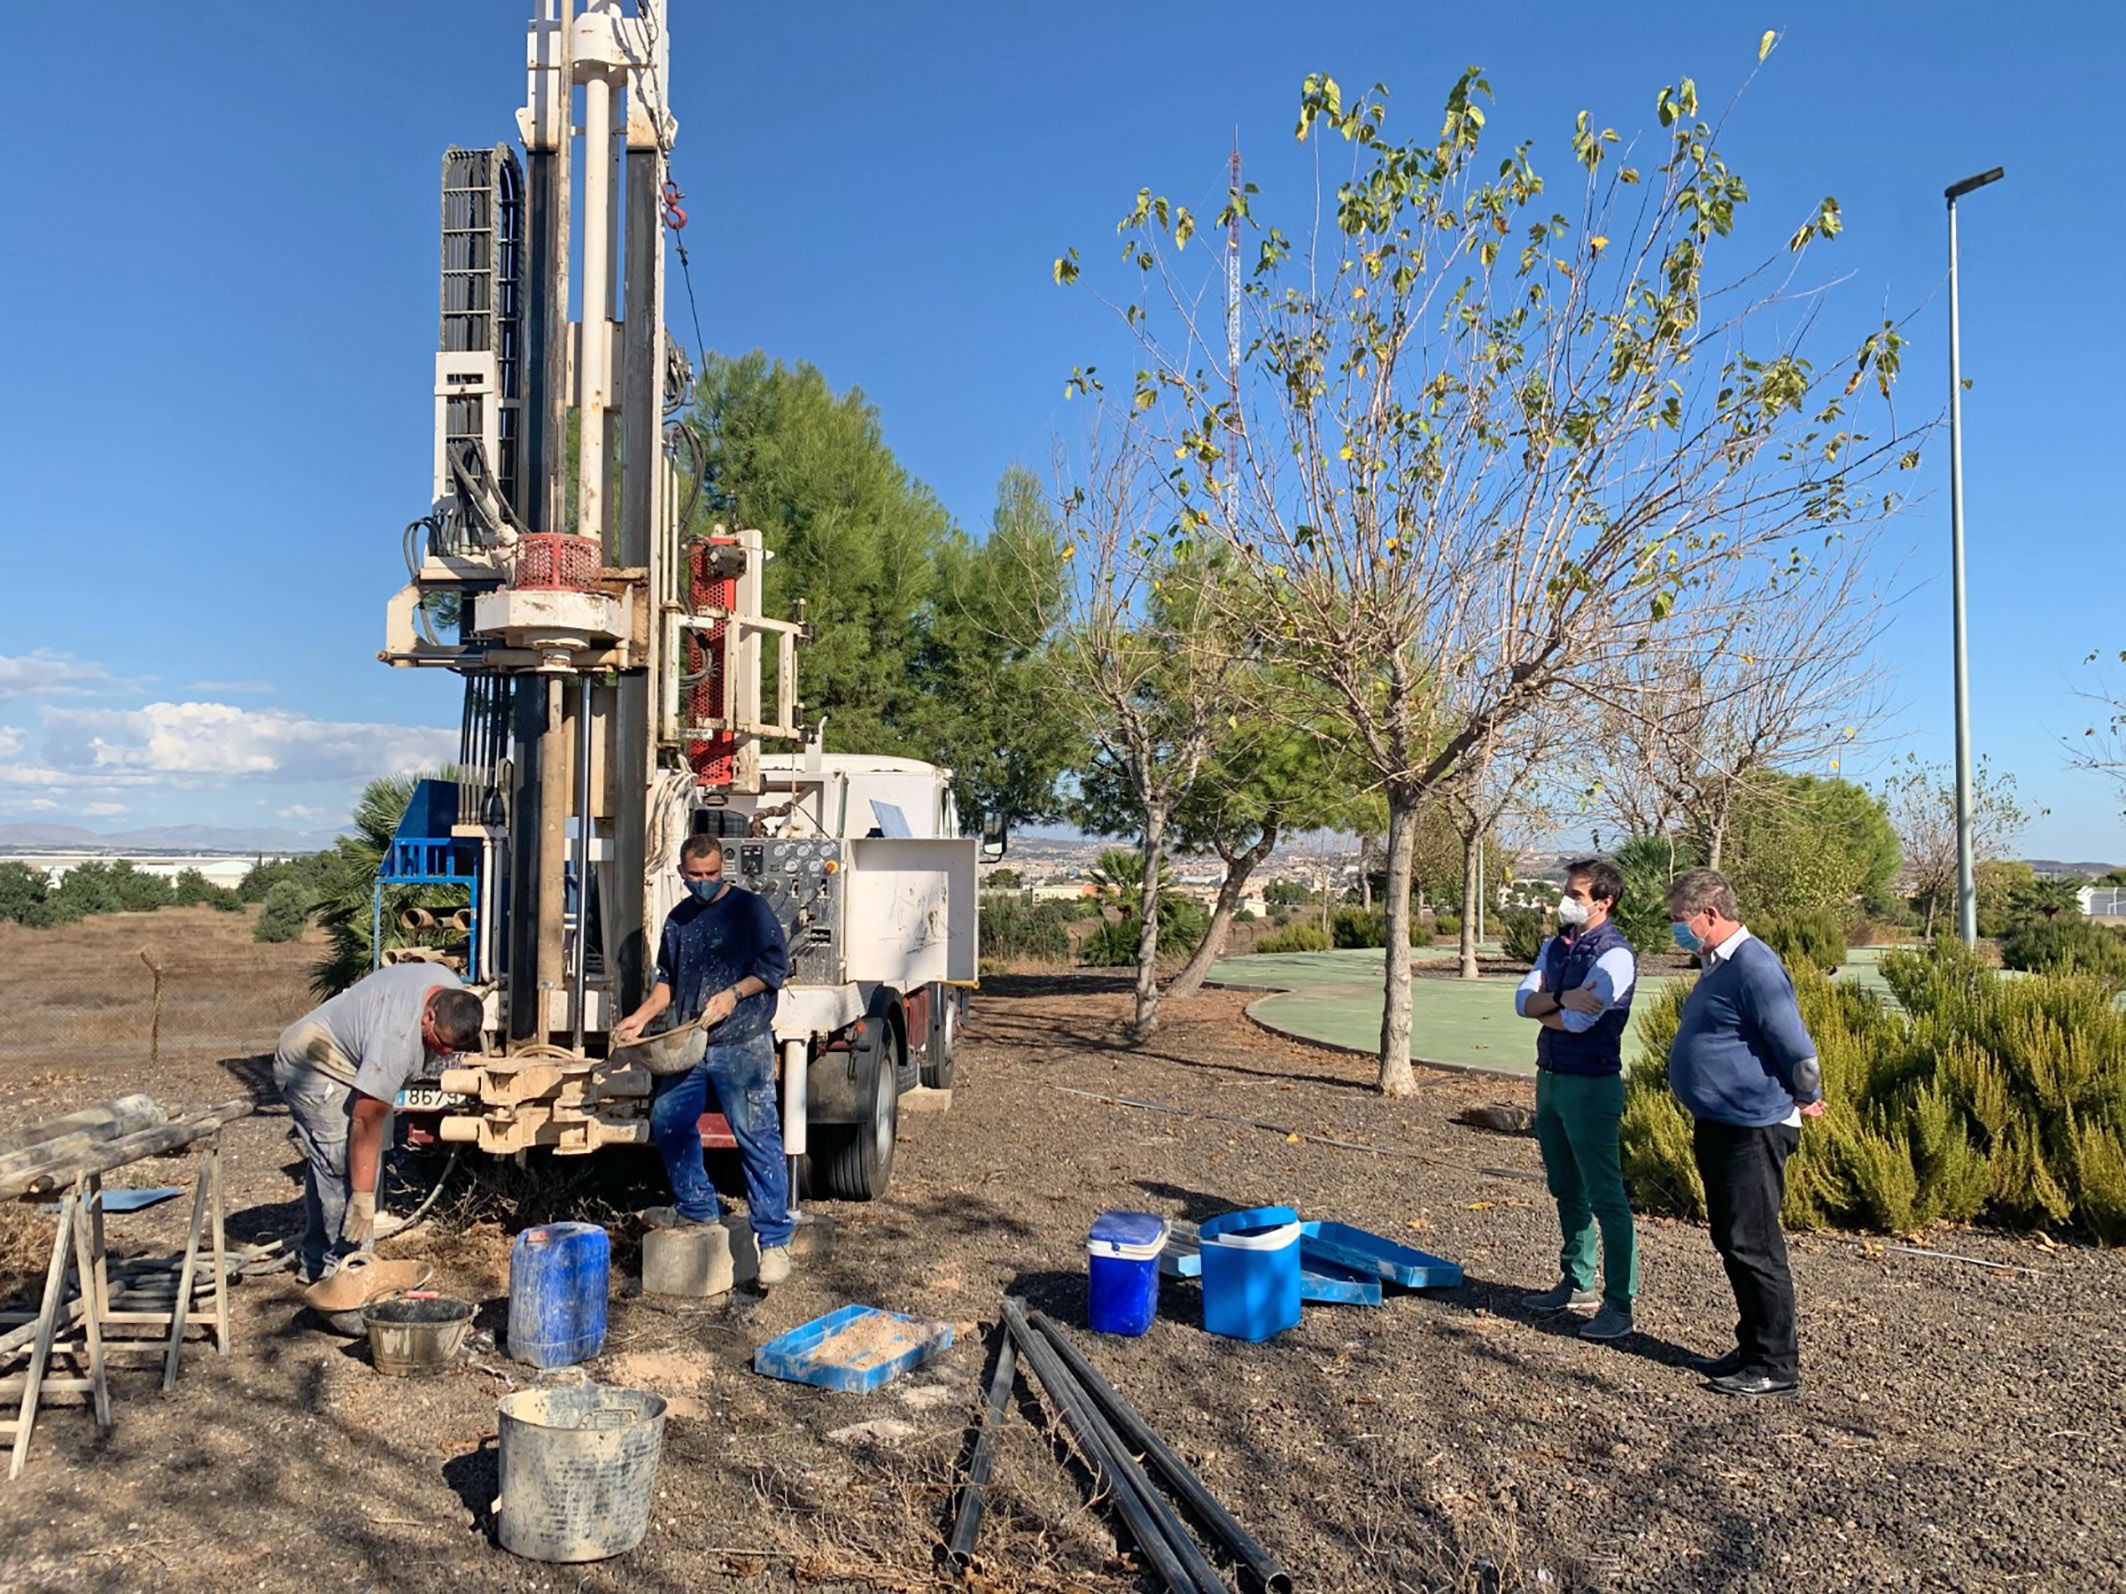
point(558, 1277)
point(1251, 1273)
point(578, 1471)
point(1122, 1271)
point(411, 1334)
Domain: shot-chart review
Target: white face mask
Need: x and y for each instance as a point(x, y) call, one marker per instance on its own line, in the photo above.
point(1572, 912)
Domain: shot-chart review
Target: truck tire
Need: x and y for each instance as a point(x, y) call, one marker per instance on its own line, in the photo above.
point(937, 1059)
point(853, 1162)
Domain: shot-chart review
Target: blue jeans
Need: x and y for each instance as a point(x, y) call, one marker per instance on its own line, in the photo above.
point(742, 1076)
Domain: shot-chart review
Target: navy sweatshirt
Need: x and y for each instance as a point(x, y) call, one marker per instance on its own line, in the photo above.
point(709, 947)
point(1742, 1055)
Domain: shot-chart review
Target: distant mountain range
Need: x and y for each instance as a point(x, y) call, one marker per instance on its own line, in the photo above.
point(30, 837)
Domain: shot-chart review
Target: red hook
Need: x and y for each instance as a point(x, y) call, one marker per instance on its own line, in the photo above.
point(674, 217)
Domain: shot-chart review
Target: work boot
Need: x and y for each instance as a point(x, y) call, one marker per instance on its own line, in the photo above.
point(670, 1218)
point(1567, 1297)
point(774, 1264)
point(1611, 1322)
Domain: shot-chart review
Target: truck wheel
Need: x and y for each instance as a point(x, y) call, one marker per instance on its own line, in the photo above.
point(937, 1061)
point(853, 1162)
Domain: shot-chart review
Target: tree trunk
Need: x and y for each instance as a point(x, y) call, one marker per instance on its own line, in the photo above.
point(1396, 1078)
point(1472, 889)
point(1365, 873)
point(1147, 1012)
point(1237, 869)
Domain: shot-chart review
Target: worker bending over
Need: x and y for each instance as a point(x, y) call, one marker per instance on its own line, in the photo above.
point(338, 1070)
point(722, 958)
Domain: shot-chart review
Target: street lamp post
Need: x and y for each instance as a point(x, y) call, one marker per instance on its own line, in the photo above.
point(1966, 884)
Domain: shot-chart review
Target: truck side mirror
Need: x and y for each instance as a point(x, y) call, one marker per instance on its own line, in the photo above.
point(994, 839)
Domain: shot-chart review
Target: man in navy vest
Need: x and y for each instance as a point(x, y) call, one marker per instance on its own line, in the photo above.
point(1580, 992)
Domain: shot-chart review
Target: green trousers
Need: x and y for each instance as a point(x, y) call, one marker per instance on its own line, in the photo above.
point(1576, 1124)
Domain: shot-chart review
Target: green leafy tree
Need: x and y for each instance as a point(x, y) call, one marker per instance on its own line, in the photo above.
point(984, 663)
point(22, 890)
point(1492, 434)
point(1003, 880)
point(1998, 882)
point(853, 534)
point(1804, 841)
point(285, 915)
point(2044, 897)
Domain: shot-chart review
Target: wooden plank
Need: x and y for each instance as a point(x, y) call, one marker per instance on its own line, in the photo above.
point(184, 1279)
point(110, 1154)
point(86, 1267)
point(47, 1326)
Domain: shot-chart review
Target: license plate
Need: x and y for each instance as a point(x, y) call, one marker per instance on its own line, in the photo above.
point(425, 1098)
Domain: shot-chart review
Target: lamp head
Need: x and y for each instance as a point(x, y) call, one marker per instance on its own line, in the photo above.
point(1956, 191)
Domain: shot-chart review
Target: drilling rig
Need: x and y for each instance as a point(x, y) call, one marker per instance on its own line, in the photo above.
point(623, 688)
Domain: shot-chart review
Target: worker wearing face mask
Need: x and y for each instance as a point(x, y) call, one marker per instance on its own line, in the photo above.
point(1580, 992)
point(721, 959)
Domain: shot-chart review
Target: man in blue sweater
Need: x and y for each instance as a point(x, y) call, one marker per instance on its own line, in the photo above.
point(1744, 1066)
point(722, 956)
point(1580, 992)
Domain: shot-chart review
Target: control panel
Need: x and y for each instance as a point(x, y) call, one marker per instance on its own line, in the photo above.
point(801, 879)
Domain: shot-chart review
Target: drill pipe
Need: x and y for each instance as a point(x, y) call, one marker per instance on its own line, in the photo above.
point(1179, 1476)
point(1165, 1542)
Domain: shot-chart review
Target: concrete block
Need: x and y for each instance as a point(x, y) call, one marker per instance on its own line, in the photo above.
point(692, 1262)
point(924, 1099)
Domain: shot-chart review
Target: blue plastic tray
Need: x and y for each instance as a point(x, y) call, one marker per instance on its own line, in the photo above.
point(1327, 1281)
point(828, 1353)
point(1341, 1245)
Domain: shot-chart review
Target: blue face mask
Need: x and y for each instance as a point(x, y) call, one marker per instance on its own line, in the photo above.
point(704, 890)
point(1682, 932)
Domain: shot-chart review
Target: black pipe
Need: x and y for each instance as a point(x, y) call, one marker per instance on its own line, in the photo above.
point(1267, 1570)
point(1152, 1524)
point(975, 1492)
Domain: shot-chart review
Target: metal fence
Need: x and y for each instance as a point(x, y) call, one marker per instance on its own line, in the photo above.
point(2106, 902)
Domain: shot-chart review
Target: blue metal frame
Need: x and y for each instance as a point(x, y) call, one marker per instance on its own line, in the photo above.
point(423, 852)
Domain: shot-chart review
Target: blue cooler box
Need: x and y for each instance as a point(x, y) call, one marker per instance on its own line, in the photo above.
point(1122, 1271)
point(1251, 1272)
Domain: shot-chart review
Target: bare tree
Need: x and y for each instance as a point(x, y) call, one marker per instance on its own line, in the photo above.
point(1145, 646)
point(1491, 449)
point(1770, 669)
point(1507, 774)
point(1921, 799)
point(2102, 747)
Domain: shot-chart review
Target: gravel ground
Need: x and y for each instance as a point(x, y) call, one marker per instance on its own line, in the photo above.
point(1960, 1427)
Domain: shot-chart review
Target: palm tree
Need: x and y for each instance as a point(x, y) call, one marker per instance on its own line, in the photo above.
point(347, 883)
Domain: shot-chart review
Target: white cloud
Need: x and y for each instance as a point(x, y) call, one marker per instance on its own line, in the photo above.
point(13, 738)
point(302, 814)
point(43, 673)
point(104, 810)
point(210, 746)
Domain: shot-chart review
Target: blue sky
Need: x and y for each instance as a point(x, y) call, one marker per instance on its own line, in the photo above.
point(219, 236)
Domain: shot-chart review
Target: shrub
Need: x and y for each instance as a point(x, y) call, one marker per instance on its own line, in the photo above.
point(1522, 932)
point(1810, 938)
point(1985, 1096)
point(1367, 927)
point(193, 889)
point(1648, 864)
point(286, 912)
point(1182, 922)
point(1295, 938)
point(1015, 930)
point(1447, 924)
point(2066, 946)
